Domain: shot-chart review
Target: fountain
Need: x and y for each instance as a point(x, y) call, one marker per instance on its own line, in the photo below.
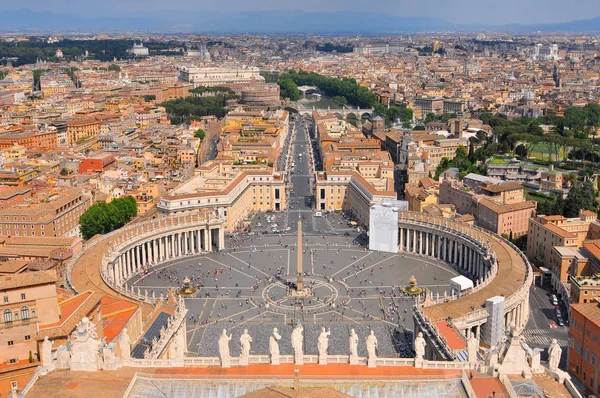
point(187, 289)
point(412, 288)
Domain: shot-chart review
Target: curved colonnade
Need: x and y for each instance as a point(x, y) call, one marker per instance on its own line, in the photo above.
point(129, 250)
point(496, 267)
point(494, 264)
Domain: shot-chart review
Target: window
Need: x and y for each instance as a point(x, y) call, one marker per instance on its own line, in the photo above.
point(7, 316)
point(24, 313)
point(22, 296)
point(13, 384)
point(585, 353)
point(13, 360)
point(27, 337)
point(10, 342)
point(5, 299)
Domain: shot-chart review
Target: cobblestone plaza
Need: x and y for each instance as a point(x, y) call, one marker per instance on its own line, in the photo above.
point(244, 287)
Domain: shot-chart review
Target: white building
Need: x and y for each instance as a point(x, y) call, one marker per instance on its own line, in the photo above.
point(543, 52)
point(139, 50)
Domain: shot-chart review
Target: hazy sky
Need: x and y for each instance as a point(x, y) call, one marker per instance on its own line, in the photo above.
point(458, 11)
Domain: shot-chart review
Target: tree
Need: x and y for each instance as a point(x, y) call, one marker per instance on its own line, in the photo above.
point(471, 151)
point(201, 134)
point(534, 128)
point(340, 99)
point(102, 218)
point(149, 97)
point(288, 89)
point(521, 151)
point(429, 118)
point(580, 197)
point(113, 67)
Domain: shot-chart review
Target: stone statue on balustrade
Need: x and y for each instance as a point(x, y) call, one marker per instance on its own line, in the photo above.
point(554, 353)
point(322, 345)
point(63, 357)
point(420, 346)
point(245, 340)
point(109, 358)
point(297, 344)
point(353, 347)
point(224, 349)
point(125, 344)
point(47, 352)
point(472, 348)
point(274, 346)
point(371, 342)
point(85, 347)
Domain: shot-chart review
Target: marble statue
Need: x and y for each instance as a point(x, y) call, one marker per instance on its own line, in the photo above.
point(245, 340)
point(47, 352)
point(274, 342)
point(85, 347)
point(420, 346)
point(472, 348)
point(554, 353)
point(274, 346)
point(224, 348)
point(371, 342)
point(323, 341)
point(298, 339)
point(125, 344)
point(353, 343)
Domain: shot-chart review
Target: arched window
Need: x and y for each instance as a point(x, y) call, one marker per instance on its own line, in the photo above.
point(24, 313)
point(7, 316)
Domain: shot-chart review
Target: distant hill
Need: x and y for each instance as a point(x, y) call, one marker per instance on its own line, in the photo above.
point(262, 22)
point(218, 22)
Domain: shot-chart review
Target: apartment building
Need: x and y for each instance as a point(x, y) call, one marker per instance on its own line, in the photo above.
point(81, 128)
point(44, 139)
point(28, 300)
point(546, 232)
point(422, 194)
point(47, 213)
point(584, 347)
point(585, 289)
point(500, 208)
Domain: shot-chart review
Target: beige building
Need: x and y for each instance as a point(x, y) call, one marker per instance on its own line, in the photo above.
point(78, 129)
point(28, 300)
point(234, 193)
point(546, 232)
point(421, 195)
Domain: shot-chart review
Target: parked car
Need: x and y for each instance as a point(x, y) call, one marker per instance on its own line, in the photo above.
point(554, 299)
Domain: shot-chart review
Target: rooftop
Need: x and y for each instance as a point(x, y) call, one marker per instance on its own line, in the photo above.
point(27, 279)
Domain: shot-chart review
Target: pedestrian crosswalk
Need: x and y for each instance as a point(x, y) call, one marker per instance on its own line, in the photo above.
point(542, 337)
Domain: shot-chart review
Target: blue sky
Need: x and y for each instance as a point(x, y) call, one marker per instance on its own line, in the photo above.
point(457, 11)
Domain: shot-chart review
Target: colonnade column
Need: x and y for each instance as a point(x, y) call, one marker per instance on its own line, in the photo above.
point(401, 240)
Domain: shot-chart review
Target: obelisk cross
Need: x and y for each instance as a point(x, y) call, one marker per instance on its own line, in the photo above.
point(299, 283)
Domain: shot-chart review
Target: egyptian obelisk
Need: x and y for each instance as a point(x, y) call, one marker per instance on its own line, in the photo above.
point(299, 283)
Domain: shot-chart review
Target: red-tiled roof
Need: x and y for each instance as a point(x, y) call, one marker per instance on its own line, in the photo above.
point(452, 338)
